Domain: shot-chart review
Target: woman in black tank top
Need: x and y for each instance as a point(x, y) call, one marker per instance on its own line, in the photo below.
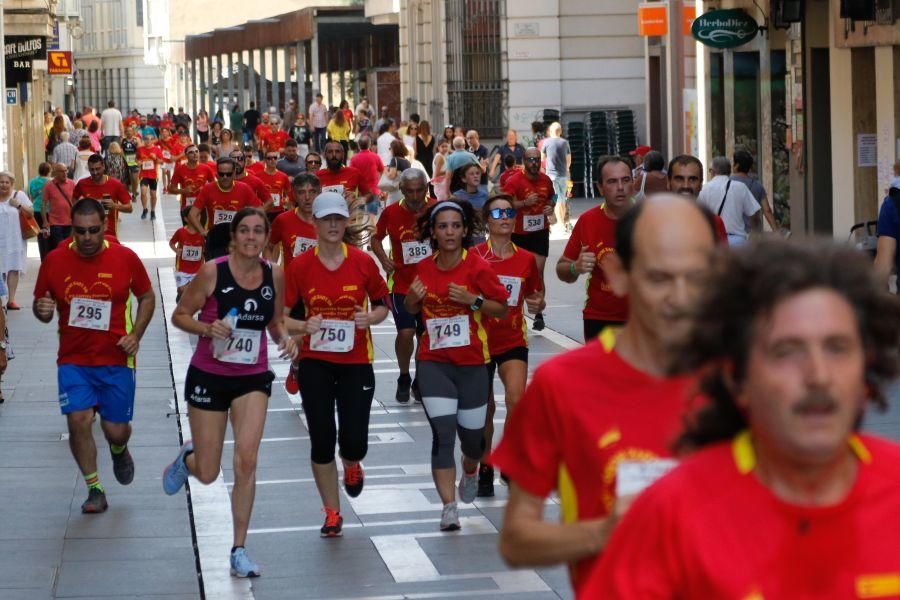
point(240, 298)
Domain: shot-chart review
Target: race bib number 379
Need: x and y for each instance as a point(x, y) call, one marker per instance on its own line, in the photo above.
point(86, 313)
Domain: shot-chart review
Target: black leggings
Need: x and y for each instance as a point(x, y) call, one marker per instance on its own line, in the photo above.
point(352, 387)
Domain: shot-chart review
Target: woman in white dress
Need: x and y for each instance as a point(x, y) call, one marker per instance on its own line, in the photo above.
point(12, 246)
point(81, 159)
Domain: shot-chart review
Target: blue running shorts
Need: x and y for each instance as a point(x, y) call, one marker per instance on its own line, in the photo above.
point(110, 389)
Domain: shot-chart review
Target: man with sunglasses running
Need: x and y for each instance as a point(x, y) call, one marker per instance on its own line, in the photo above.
point(90, 282)
point(190, 177)
point(241, 174)
point(277, 184)
point(221, 199)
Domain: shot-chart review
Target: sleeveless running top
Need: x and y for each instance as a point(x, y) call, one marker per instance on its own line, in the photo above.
point(255, 309)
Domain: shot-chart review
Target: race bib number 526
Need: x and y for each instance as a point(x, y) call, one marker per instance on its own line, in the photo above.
point(90, 314)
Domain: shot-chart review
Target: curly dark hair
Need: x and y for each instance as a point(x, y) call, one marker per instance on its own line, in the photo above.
point(471, 221)
point(749, 283)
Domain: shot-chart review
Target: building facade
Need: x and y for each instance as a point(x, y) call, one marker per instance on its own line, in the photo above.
point(814, 97)
point(498, 64)
point(110, 57)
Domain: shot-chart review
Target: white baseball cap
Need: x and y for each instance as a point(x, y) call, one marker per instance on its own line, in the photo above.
point(329, 203)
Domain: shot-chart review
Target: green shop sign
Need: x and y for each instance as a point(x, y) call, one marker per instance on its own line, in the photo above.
point(724, 28)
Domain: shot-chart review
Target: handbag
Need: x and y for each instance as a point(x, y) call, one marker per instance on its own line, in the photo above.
point(28, 225)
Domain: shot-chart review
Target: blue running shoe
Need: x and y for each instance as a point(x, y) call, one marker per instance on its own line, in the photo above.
point(176, 474)
point(242, 565)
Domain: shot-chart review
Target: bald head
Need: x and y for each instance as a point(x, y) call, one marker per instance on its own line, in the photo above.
point(459, 143)
point(664, 251)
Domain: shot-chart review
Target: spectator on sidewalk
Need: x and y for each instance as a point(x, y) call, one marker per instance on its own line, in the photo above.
point(36, 193)
point(65, 153)
point(743, 164)
point(110, 125)
point(56, 206)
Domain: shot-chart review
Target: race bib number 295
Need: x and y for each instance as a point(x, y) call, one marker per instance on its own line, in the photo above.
point(86, 313)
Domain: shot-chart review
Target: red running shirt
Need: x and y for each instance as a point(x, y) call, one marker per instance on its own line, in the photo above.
point(584, 412)
point(147, 155)
point(520, 276)
point(711, 529)
point(334, 295)
point(256, 168)
point(398, 223)
point(186, 177)
point(257, 186)
point(347, 178)
point(293, 235)
point(597, 231)
point(278, 189)
point(110, 188)
point(530, 219)
point(213, 199)
point(476, 276)
point(189, 253)
point(171, 150)
point(110, 276)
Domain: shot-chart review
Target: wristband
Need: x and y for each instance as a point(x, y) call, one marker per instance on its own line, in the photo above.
point(572, 267)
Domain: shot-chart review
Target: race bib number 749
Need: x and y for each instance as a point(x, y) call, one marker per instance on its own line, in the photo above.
point(448, 332)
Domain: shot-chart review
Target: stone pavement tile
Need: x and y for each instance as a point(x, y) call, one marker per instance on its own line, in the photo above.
point(25, 594)
point(348, 584)
point(32, 562)
point(32, 455)
point(129, 521)
point(120, 579)
point(128, 549)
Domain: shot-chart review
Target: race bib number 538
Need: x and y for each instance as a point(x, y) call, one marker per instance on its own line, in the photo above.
point(90, 314)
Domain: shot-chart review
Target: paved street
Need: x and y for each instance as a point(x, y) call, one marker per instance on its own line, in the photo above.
point(149, 545)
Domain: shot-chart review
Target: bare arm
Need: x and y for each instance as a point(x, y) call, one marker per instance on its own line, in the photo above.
point(885, 257)
point(769, 215)
point(528, 540)
point(277, 327)
point(194, 219)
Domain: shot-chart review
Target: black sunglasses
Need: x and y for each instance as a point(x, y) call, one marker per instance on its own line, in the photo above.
point(93, 230)
point(225, 173)
point(314, 162)
point(272, 157)
point(503, 213)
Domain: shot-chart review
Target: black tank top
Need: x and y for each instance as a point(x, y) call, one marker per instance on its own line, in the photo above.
point(255, 308)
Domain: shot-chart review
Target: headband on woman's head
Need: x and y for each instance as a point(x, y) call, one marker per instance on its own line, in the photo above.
point(446, 204)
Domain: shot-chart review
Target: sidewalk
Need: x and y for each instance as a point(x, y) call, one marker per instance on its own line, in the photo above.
point(141, 547)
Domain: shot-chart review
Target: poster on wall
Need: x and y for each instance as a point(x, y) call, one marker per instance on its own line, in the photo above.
point(867, 150)
point(691, 138)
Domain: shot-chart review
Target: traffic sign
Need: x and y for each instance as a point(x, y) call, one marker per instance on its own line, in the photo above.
point(12, 96)
point(59, 62)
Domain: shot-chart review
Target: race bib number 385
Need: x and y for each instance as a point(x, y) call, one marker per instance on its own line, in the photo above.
point(448, 332)
point(90, 314)
point(414, 252)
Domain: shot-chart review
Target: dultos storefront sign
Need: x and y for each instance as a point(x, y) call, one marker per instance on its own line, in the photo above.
point(724, 28)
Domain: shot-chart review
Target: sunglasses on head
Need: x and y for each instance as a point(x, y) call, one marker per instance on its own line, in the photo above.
point(503, 213)
point(93, 230)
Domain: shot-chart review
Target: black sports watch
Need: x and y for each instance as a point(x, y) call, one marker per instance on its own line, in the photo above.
point(476, 305)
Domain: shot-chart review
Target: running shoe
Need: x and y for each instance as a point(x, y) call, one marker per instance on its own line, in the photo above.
point(292, 384)
point(468, 486)
point(242, 565)
point(504, 478)
point(123, 466)
point(334, 524)
point(404, 385)
point(13, 306)
point(95, 503)
point(538, 322)
point(152, 215)
point(416, 392)
point(486, 481)
point(144, 214)
point(450, 517)
point(176, 474)
point(354, 478)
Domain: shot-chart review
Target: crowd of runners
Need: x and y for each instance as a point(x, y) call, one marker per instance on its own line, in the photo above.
point(704, 442)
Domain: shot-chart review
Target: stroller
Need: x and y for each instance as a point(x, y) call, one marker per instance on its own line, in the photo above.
point(864, 236)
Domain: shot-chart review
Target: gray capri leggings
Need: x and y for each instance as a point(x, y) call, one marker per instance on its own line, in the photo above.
point(455, 399)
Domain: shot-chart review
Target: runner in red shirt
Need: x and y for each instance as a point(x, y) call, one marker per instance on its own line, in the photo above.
point(190, 177)
point(507, 337)
point(278, 187)
point(275, 138)
point(345, 181)
point(294, 232)
point(455, 290)
point(588, 410)
point(187, 244)
point(109, 191)
point(220, 200)
point(685, 177)
point(593, 243)
point(784, 499)
point(149, 158)
point(173, 153)
point(240, 160)
point(533, 199)
point(256, 167)
point(399, 223)
point(336, 294)
point(205, 159)
point(90, 283)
